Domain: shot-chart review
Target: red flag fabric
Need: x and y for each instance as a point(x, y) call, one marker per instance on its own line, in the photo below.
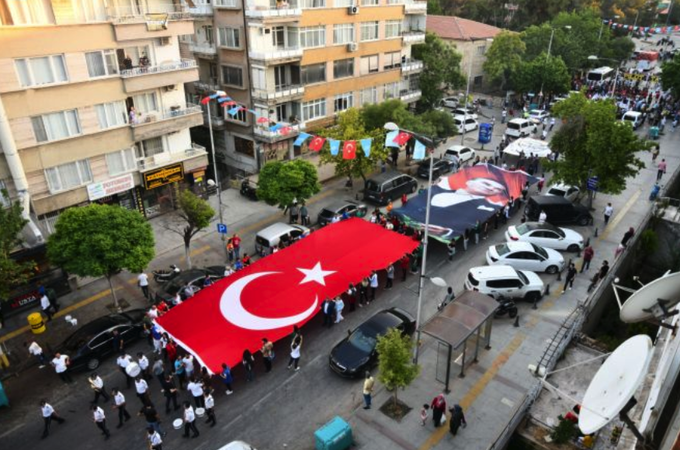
point(349, 150)
point(402, 138)
point(262, 119)
point(286, 130)
point(205, 100)
point(265, 299)
point(317, 143)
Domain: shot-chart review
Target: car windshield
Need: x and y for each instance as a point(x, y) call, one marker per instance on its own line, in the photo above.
point(523, 277)
point(540, 250)
point(522, 228)
point(629, 117)
point(553, 228)
point(327, 213)
point(556, 191)
point(514, 126)
point(363, 339)
point(502, 249)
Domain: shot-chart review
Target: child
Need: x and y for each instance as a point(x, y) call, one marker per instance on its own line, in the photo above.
point(424, 414)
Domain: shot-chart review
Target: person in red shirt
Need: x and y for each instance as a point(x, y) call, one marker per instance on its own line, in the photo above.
point(588, 254)
point(162, 307)
point(404, 264)
point(171, 351)
point(236, 242)
point(404, 199)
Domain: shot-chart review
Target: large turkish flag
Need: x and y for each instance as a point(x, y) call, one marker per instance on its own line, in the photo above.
point(281, 290)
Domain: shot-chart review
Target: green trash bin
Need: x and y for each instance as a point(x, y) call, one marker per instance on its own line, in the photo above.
point(654, 133)
point(335, 435)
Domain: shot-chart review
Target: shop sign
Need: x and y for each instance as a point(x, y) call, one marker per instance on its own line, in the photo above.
point(156, 21)
point(164, 175)
point(95, 191)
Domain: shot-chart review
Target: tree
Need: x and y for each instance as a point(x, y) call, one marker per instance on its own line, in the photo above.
point(12, 273)
point(350, 127)
point(504, 57)
point(434, 7)
point(441, 69)
point(592, 142)
point(101, 240)
point(395, 365)
point(543, 74)
point(670, 75)
point(432, 123)
point(280, 183)
point(195, 214)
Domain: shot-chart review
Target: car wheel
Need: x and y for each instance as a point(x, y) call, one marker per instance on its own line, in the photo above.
point(551, 270)
point(512, 313)
point(532, 297)
point(573, 248)
point(583, 221)
point(413, 188)
point(93, 364)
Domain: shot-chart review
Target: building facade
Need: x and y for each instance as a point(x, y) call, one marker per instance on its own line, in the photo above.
point(298, 63)
point(93, 107)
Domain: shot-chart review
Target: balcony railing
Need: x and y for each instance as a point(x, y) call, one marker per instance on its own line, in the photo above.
point(280, 10)
point(213, 85)
point(279, 93)
point(272, 136)
point(206, 48)
point(287, 53)
point(234, 4)
point(201, 10)
point(159, 68)
point(408, 96)
point(171, 113)
point(413, 37)
point(165, 158)
point(415, 7)
point(411, 65)
point(124, 15)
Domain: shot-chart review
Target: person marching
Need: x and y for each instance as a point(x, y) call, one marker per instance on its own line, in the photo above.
point(228, 378)
point(209, 408)
point(569, 279)
point(170, 392)
point(154, 438)
point(119, 400)
point(295, 352)
point(97, 385)
point(189, 421)
point(99, 419)
point(195, 387)
point(49, 414)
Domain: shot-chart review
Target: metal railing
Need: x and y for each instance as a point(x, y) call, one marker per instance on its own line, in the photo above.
point(279, 92)
point(124, 15)
point(267, 133)
point(280, 10)
point(203, 47)
point(202, 9)
point(415, 7)
point(411, 65)
point(413, 36)
point(213, 85)
point(159, 68)
point(286, 53)
point(171, 113)
point(227, 3)
point(410, 95)
point(165, 158)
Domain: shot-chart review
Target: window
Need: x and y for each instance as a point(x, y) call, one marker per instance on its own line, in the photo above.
point(240, 116)
point(369, 95)
point(343, 33)
point(68, 176)
point(369, 64)
point(369, 2)
point(28, 12)
point(313, 73)
point(232, 76)
point(481, 50)
point(111, 114)
point(392, 28)
point(230, 37)
point(311, 37)
point(369, 31)
point(89, 10)
point(101, 63)
point(306, 4)
point(40, 71)
point(122, 161)
point(145, 103)
point(59, 125)
point(258, 78)
point(314, 109)
point(149, 147)
point(395, 2)
point(391, 90)
point(392, 60)
point(344, 101)
point(343, 68)
point(342, 3)
point(209, 34)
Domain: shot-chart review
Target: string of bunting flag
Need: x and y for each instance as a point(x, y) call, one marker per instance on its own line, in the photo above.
point(653, 30)
point(394, 138)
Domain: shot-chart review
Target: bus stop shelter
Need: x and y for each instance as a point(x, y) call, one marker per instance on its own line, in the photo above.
point(468, 317)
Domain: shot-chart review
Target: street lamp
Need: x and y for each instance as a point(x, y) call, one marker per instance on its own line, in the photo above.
point(467, 93)
point(599, 36)
point(547, 57)
point(618, 65)
point(214, 162)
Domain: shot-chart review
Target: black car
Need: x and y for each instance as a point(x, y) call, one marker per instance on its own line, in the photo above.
point(355, 354)
point(352, 209)
point(439, 168)
point(88, 346)
point(194, 277)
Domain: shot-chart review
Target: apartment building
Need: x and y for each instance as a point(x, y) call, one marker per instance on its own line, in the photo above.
point(299, 63)
point(93, 107)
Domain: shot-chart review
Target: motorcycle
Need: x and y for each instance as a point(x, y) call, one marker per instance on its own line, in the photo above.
point(163, 276)
point(248, 191)
point(506, 306)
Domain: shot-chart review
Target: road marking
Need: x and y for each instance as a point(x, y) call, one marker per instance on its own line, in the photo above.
point(474, 392)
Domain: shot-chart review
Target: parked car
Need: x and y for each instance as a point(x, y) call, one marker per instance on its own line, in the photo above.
point(194, 277)
point(537, 115)
point(505, 281)
point(519, 128)
point(92, 343)
point(559, 210)
point(439, 168)
point(465, 124)
point(352, 209)
point(632, 117)
point(564, 190)
point(468, 113)
point(459, 154)
point(545, 235)
point(525, 256)
point(355, 354)
point(271, 236)
point(388, 186)
point(449, 102)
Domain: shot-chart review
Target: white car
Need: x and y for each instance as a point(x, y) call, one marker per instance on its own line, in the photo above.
point(564, 190)
point(461, 111)
point(545, 235)
point(632, 117)
point(525, 256)
point(465, 124)
point(505, 281)
point(459, 154)
point(449, 102)
point(537, 115)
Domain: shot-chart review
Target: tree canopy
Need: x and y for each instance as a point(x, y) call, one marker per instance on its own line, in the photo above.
point(12, 273)
point(432, 123)
point(101, 240)
point(441, 69)
point(195, 214)
point(670, 75)
point(543, 74)
point(396, 369)
point(504, 57)
point(280, 183)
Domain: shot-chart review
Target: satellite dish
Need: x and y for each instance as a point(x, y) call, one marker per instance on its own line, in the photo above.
point(614, 385)
point(653, 301)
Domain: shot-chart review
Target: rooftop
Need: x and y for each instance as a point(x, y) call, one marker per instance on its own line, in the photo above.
point(459, 29)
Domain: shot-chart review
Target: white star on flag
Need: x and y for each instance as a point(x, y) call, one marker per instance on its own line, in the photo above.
point(315, 274)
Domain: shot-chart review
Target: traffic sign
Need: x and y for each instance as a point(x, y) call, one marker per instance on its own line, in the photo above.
point(222, 228)
point(591, 185)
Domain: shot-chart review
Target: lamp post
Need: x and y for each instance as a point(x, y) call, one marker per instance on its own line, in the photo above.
point(618, 66)
point(599, 36)
point(547, 57)
point(462, 132)
point(217, 178)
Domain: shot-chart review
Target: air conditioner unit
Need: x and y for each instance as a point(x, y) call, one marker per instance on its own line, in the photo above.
point(171, 87)
point(352, 47)
point(267, 31)
point(353, 10)
point(164, 41)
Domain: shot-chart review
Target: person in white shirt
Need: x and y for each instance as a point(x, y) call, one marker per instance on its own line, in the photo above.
point(143, 362)
point(188, 361)
point(99, 419)
point(295, 353)
point(155, 441)
point(143, 282)
point(195, 386)
point(339, 306)
point(97, 385)
point(119, 400)
point(373, 280)
point(142, 389)
point(49, 414)
point(37, 351)
point(209, 402)
point(189, 421)
point(123, 361)
point(61, 363)
point(177, 300)
point(228, 271)
point(45, 305)
point(153, 313)
point(608, 213)
point(542, 217)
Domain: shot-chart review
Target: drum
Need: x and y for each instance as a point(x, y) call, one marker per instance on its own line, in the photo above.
point(177, 424)
point(200, 412)
point(133, 369)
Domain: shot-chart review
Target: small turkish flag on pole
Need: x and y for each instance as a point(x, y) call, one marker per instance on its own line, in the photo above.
point(402, 138)
point(349, 150)
point(317, 143)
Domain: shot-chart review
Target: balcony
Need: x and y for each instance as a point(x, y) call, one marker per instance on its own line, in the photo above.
point(276, 12)
point(134, 24)
point(227, 4)
point(263, 133)
point(408, 96)
point(166, 158)
point(203, 48)
point(162, 123)
point(289, 54)
point(164, 74)
point(415, 7)
point(411, 66)
point(413, 37)
point(201, 10)
point(211, 86)
point(280, 94)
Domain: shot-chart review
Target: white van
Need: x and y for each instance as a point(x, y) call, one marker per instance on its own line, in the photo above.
point(634, 118)
point(271, 236)
point(519, 128)
point(237, 445)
